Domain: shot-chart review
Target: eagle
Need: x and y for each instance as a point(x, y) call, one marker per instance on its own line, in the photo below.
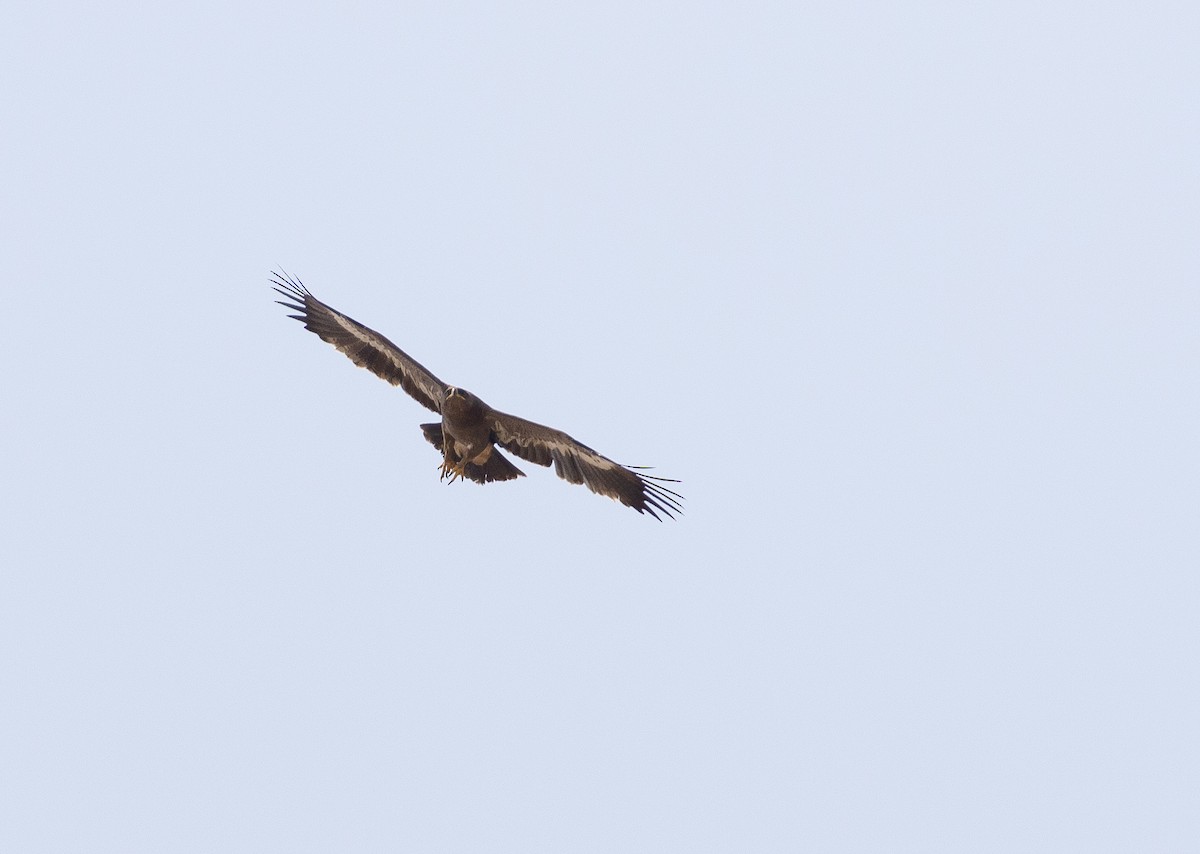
point(471, 432)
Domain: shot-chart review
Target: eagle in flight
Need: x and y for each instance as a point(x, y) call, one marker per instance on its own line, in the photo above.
point(470, 430)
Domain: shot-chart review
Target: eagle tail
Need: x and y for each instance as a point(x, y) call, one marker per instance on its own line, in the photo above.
point(498, 467)
point(433, 434)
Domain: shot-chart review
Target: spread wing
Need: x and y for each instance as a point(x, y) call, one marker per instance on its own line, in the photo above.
point(365, 347)
point(575, 462)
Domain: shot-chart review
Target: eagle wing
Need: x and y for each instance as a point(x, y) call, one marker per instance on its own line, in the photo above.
point(365, 347)
point(575, 462)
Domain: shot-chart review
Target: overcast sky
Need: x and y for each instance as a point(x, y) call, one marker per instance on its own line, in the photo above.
point(906, 295)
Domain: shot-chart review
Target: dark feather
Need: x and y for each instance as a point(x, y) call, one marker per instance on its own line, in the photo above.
point(575, 462)
point(365, 347)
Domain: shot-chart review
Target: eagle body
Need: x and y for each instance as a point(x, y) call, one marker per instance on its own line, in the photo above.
point(464, 422)
point(471, 433)
point(470, 453)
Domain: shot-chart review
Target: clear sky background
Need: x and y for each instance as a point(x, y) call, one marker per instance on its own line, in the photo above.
point(907, 295)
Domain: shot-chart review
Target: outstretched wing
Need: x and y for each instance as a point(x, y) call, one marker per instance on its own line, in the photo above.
point(365, 347)
point(575, 462)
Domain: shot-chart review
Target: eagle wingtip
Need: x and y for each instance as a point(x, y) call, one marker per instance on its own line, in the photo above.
point(656, 497)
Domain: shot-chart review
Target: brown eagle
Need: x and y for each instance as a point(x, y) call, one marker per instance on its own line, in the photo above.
point(470, 429)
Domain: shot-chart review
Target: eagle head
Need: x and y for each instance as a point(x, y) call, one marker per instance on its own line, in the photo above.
point(460, 400)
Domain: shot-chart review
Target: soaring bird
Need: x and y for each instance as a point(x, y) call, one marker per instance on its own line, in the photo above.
point(470, 430)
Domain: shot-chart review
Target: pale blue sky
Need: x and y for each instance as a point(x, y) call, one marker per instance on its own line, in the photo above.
point(906, 295)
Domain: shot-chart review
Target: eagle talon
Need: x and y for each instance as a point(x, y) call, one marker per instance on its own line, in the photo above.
point(451, 470)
